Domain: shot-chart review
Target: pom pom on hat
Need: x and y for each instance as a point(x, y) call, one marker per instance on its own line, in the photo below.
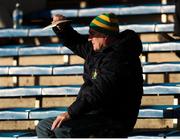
point(106, 23)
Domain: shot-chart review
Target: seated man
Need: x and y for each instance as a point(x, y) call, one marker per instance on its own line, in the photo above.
point(109, 99)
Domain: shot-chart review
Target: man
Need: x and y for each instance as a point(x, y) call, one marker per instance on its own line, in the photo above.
point(109, 99)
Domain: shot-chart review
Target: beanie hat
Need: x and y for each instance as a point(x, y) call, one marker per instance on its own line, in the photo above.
point(106, 23)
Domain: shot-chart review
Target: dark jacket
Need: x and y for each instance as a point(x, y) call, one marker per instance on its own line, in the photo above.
point(113, 83)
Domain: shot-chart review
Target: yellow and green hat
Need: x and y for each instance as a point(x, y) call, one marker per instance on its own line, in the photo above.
point(106, 23)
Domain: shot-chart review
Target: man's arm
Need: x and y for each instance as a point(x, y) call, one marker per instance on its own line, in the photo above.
point(70, 38)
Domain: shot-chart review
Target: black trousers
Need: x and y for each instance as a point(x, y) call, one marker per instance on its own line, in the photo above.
point(177, 18)
point(82, 127)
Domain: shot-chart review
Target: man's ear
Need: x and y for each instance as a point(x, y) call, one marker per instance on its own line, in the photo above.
point(107, 39)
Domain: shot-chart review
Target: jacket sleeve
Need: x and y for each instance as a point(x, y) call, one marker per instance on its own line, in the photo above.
point(96, 94)
point(73, 40)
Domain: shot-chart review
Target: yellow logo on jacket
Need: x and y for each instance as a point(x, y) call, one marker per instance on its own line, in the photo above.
point(94, 74)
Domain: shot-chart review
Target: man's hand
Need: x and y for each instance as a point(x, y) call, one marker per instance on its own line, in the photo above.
point(59, 25)
point(59, 119)
point(58, 17)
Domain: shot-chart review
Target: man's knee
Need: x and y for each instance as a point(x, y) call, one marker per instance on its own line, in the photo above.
point(39, 128)
point(43, 129)
point(62, 132)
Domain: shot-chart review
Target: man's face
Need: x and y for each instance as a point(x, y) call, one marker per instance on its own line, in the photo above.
point(98, 39)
